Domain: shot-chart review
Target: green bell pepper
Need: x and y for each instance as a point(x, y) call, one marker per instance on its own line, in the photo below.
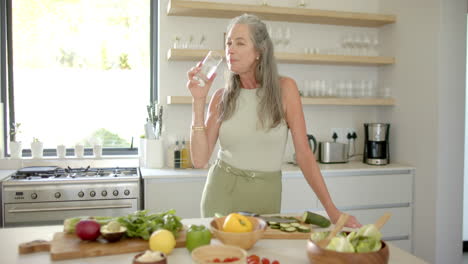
point(197, 235)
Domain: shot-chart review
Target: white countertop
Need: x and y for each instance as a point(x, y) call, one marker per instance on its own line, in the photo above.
point(353, 167)
point(286, 251)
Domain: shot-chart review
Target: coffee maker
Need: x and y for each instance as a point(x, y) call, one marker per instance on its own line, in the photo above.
point(376, 146)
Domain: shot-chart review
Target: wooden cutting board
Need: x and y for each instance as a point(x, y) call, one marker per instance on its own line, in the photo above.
point(69, 246)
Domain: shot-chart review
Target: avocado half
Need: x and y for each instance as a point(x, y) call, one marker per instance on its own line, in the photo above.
point(113, 231)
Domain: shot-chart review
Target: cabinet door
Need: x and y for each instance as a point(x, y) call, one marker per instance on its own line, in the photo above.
point(181, 194)
point(370, 190)
point(297, 196)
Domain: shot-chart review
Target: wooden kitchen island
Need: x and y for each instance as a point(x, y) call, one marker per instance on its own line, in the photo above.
point(286, 251)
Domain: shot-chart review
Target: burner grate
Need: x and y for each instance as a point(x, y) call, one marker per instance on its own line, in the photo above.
point(45, 173)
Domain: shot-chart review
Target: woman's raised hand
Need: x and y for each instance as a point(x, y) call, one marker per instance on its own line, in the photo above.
point(198, 91)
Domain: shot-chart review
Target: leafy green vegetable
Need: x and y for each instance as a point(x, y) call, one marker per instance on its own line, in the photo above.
point(141, 224)
point(340, 244)
point(317, 236)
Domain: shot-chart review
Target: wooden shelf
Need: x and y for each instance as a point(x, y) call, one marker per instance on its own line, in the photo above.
point(180, 100)
point(301, 15)
point(295, 58)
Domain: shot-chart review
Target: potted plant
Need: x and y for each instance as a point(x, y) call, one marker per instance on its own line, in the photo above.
point(15, 146)
point(37, 148)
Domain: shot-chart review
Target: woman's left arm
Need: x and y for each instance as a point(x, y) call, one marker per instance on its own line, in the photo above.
point(304, 157)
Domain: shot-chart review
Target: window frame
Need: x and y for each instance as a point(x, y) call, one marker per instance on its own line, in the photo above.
point(7, 85)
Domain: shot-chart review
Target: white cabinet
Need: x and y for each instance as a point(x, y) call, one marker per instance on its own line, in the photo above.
point(174, 192)
point(297, 196)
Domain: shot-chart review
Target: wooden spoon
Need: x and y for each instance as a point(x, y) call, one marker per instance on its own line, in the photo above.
point(382, 220)
point(338, 226)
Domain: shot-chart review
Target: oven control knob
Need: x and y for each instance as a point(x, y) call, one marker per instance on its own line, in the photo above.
point(115, 192)
point(81, 194)
point(34, 195)
point(104, 193)
point(92, 193)
point(57, 195)
point(126, 192)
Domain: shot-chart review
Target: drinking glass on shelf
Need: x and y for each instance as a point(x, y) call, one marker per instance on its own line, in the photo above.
point(287, 39)
point(341, 87)
point(278, 38)
point(208, 68)
point(374, 43)
point(366, 43)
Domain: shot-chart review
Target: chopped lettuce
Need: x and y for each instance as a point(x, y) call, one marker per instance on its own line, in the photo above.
point(340, 244)
point(317, 236)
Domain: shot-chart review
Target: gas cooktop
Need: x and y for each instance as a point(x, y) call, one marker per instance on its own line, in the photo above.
point(51, 173)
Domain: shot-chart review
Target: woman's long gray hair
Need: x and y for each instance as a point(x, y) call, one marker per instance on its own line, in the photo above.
point(270, 108)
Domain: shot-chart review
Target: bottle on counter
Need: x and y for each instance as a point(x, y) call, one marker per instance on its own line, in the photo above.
point(184, 155)
point(170, 156)
point(177, 158)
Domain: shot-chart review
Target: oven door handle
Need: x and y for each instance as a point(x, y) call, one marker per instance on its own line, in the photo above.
point(69, 208)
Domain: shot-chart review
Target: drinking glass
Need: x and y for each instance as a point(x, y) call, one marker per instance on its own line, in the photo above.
point(208, 67)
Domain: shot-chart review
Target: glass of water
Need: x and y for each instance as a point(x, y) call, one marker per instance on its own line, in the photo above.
point(208, 68)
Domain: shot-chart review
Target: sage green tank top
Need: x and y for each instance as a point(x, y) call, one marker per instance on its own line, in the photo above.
point(245, 146)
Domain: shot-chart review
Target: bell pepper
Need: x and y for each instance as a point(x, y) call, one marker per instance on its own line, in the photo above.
point(237, 223)
point(197, 235)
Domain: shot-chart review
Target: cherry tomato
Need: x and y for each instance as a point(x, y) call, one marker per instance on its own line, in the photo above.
point(234, 259)
point(265, 261)
point(254, 257)
point(216, 260)
point(275, 262)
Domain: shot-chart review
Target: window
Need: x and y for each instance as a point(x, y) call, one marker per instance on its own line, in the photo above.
point(80, 70)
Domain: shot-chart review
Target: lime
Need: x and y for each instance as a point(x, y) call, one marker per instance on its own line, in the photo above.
point(162, 240)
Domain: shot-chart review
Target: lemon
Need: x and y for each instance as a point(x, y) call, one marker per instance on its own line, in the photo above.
point(162, 240)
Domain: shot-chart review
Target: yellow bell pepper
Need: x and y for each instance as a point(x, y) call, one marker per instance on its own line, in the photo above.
point(237, 223)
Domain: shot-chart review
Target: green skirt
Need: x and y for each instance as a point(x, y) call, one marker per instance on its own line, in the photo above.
point(229, 189)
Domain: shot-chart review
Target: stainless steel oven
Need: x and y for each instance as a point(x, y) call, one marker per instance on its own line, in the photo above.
point(40, 199)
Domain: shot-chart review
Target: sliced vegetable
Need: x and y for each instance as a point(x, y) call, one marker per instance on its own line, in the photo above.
point(303, 229)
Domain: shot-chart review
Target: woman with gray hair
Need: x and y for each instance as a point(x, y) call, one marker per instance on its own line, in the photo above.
point(251, 117)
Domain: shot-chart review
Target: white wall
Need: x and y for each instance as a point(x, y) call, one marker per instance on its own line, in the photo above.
point(429, 41)
point(320, 119)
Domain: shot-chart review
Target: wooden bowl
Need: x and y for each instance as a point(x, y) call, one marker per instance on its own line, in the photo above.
point(135, 260)
point(317, 254)
point(206, 254)
point(244, 240)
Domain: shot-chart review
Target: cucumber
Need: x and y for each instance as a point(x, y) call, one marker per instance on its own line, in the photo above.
point(272, 223)
point(315, 219)
point(303, 229)
point(285, 225)
point(275, 227)
point(289, 229)
point(295, 224)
